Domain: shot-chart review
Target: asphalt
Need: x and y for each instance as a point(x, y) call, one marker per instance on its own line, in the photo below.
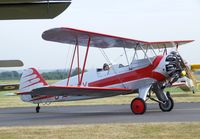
point(60, 115)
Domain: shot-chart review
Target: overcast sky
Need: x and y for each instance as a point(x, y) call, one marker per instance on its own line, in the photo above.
point(149, 20)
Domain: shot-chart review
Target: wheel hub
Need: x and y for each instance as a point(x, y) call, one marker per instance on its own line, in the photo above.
point(138, 106)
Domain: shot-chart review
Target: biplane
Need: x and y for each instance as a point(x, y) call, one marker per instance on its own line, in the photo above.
point(145, 76)
point(10, 63)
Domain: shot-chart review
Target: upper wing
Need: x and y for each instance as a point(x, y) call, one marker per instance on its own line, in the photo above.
point(11, 63)
point(72, 36)
point(31, 9)
point(77, 91)
point(8, 87)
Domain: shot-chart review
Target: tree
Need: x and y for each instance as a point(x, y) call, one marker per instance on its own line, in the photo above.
point(9, 75)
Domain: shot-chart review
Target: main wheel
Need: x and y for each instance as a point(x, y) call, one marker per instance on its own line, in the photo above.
point(168, 105)
point(37, 109)
point(138, 106)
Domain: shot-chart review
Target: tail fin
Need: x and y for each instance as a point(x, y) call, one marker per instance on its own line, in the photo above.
point(31, 79)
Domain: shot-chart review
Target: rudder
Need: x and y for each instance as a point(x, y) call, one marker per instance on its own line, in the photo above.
point(31, 79)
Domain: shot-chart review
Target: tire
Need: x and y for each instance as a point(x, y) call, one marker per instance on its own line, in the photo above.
point(138, 106)
point(168, 106)
point(37, 109)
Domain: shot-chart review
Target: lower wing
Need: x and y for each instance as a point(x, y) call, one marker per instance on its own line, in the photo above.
point(77, 91)
point(8, 87)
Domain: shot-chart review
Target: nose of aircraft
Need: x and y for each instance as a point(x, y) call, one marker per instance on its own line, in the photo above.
point(175, 66)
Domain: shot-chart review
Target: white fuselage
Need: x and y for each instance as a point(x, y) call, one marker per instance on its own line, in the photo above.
point(138, 74)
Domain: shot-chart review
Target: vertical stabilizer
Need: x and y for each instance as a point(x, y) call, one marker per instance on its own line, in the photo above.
point(31, 79)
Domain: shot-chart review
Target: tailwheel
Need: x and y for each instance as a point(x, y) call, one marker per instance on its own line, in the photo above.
point(138, 106)
point(37, 108)
point(168, 105)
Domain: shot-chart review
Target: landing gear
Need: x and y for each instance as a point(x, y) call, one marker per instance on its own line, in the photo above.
point(38, 108)
point(138, 106)
point(165, 100)
point(168, 105)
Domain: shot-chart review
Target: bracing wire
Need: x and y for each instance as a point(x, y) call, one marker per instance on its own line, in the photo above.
point(67, 58)
point(108, 60)
point(126, 56)
point(105, 56)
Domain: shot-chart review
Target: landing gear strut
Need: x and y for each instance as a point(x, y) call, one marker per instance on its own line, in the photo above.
point(138, 106)
point(165, 100)
point(38, 108)
point(168, 105)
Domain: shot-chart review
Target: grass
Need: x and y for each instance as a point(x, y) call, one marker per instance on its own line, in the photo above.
point(106, 131)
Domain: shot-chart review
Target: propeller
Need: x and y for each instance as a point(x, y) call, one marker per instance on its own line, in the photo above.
point(177, 68)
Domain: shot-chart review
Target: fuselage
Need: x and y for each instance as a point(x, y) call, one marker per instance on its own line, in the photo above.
point(139, 73)
point(119, 76)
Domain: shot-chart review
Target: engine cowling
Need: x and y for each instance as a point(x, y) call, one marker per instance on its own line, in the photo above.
point(175, 66)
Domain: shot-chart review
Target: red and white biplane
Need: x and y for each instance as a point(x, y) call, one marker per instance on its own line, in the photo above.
point(147, 75)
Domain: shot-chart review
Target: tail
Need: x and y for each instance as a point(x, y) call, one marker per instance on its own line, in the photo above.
point(31, 79)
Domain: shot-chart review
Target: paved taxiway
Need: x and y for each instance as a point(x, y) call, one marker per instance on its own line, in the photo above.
point(26, 116)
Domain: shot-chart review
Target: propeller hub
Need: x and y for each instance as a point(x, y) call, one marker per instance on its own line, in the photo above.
point(183, 73)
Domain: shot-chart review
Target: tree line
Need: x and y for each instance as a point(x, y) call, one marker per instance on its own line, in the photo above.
point(51, 75)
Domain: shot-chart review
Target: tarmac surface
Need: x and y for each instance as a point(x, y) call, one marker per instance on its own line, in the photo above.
point(63, 115)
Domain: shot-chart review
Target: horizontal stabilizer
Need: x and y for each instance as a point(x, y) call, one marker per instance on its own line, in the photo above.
point(10, 94)
point(76, 91)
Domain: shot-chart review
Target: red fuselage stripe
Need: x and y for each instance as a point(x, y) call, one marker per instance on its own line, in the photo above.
point(146, 72)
